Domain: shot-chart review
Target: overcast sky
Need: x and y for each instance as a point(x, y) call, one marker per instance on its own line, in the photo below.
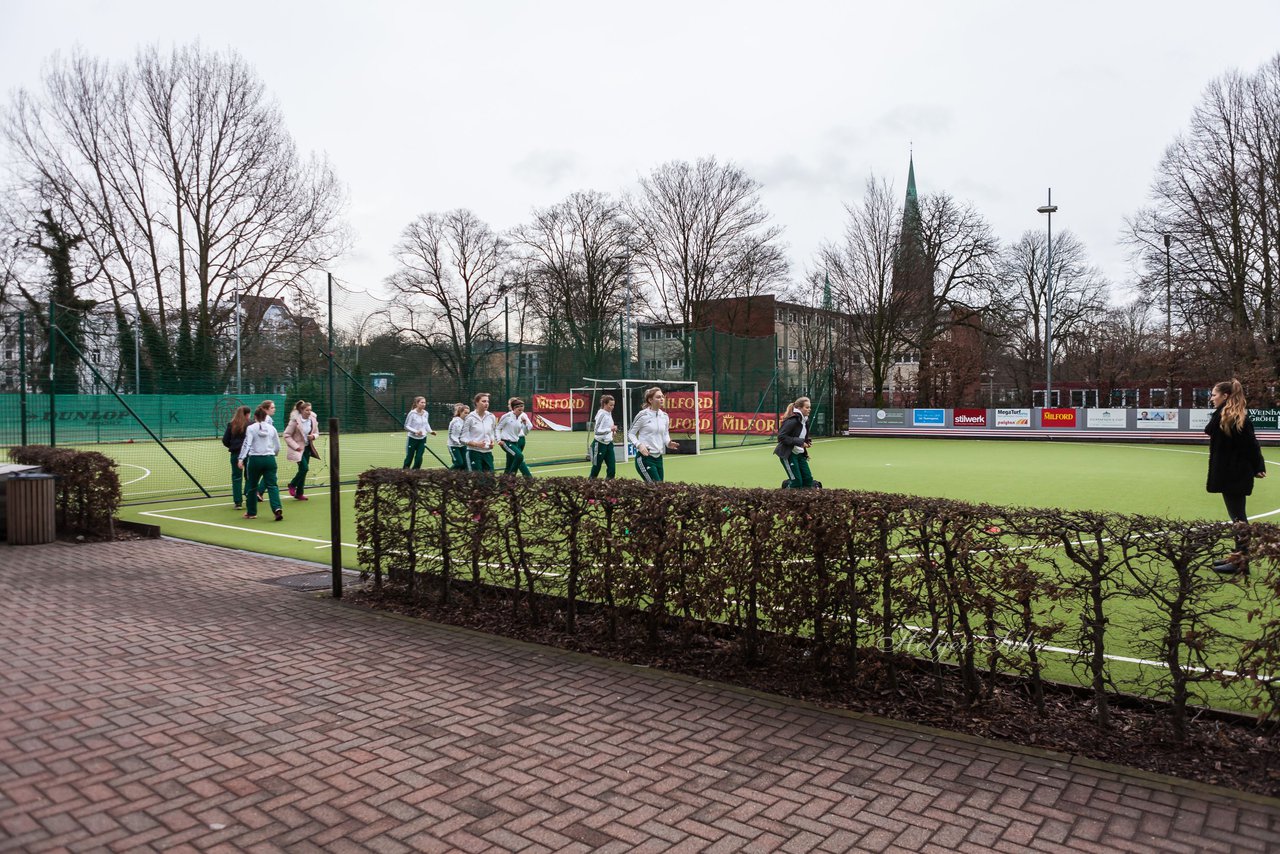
point(504, 106)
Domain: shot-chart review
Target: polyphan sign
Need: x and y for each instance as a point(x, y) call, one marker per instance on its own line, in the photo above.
point(969, 418)
point(1013, 417)
point(1061, 418)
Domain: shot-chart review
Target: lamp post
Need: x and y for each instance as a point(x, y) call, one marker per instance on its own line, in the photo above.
point(239, 376)
point(1050, 209)
point(1168, 321)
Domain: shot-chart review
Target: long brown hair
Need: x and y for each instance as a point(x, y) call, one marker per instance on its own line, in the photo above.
point(1236, 409)
point(240, 420)
point(793, 406)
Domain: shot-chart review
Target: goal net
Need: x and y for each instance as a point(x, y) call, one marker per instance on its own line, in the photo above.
point(683, 406)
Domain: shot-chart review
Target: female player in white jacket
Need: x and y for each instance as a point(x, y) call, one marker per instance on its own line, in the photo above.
point(650, 433)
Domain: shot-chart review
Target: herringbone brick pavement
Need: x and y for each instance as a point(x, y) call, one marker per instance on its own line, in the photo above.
point(156, 696)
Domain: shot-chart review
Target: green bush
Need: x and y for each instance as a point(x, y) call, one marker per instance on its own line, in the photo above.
point(87, 487)
point(855, 577)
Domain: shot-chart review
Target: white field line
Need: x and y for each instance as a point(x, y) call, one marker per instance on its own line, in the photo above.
point(1062, 650)
point(146, 473)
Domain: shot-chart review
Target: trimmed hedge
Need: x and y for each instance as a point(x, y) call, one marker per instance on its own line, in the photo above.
point(87, 486)
point(974, 588)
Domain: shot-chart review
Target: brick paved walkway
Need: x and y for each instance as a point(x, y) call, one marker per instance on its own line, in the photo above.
point(154, 695)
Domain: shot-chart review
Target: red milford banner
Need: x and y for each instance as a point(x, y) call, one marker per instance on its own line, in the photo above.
point(682, 401)
point(969, 418)
point(754, 424)
point(562, 403)
point(1058, 418)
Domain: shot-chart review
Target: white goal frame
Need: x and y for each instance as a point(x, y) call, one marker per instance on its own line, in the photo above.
point(627, 386)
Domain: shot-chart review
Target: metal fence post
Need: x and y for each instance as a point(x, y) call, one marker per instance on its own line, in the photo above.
point(335, 510)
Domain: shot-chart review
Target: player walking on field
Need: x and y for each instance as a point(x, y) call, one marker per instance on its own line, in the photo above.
point(417, 425)
point(794, 443)
point(602, 441)
point(478, 434)
point(650, 433)
point(511, 429)
point(258, 460)
point(1235, 460)
point(298, 436)
point(457, 450)
point(233, 439)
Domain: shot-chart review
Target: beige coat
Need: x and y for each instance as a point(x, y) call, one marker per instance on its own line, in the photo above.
point(295, 446)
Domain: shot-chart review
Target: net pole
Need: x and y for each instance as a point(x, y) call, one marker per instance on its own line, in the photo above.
point(333, 400)
point(715, 428)
point(697, 418)
point(22, 374)
point(335, 505)
point(53, 367)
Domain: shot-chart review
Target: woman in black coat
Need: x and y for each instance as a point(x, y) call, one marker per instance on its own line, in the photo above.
point(1235, 460)
point(793, 445)
point(233, 440)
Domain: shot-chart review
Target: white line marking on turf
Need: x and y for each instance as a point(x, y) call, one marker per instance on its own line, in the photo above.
point(146, 473)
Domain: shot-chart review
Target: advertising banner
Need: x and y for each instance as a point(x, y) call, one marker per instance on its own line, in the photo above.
point(891, 418)
point(682, 401)
point(969, 418)
point(1013, 417)
point(861, 417)
point(551, 421)
point(1058, 418)
point(683, 422)
point(1265, 419)
point(1157, 419)
point(928, 418)
point(1199, 419)
point(750, 423)
point(1106, 419)
point(577, 402)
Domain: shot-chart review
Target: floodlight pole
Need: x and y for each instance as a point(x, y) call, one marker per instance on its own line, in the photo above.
point(239, 374)
point(1049, 209)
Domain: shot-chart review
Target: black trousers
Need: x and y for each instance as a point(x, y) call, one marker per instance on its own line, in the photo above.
point(1236, 512)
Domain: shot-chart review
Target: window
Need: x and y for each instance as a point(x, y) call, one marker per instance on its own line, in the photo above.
point(528, 364)
point(793, 355)
point(781, 354)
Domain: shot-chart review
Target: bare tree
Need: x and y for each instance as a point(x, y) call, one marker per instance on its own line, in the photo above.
point(179, 172)
point(1217, 195)
point(1021, 303)
point(701, 233)
point(960, 252)
point(860, 268)
point(453, 273)
point(578, 257)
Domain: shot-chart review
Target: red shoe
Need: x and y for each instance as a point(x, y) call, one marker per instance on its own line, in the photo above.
point(302, 498)
point(293, 490)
